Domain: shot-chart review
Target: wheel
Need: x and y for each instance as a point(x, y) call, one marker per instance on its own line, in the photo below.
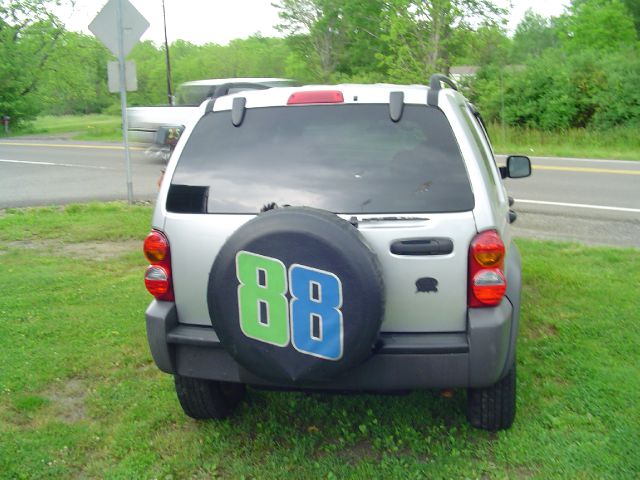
point(493, 408)
point(296, 295)
point(205, 399)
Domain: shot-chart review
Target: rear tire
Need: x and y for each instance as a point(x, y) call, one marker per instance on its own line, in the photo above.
point(208, 399)
point(493, 408)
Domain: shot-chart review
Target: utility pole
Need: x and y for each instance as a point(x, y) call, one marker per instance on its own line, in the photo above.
point(166, 51)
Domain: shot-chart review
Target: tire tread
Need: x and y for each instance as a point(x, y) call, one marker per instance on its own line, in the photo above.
point(207, 399)
point(493, 408)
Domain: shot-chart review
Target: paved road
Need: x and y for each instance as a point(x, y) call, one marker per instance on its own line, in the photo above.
point(44, 172)
point(593, 201)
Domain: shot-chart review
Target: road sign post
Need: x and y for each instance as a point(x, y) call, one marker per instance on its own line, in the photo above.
point(123, 103)
point(119, 26)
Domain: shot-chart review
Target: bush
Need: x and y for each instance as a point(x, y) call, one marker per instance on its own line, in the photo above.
point(560, 91)
point(539, 95)
point(619, 98)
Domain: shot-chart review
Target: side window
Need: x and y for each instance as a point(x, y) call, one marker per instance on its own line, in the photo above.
point(483, 128)
point(490, 161)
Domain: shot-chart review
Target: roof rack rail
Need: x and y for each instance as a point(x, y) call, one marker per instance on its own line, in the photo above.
point(435, 86)
point(210, 104)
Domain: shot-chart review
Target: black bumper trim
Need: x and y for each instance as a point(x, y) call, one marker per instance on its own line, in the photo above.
point(423, 343)
point(389, 343)
point(194, 335)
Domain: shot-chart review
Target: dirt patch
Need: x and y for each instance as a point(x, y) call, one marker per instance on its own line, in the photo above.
point(544, 330)
point(102, 250)
point(90, 250)
point(67, 399)
point(362, 450)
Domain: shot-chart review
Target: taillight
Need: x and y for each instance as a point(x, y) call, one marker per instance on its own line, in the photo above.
point(487, 283)
point(156, 247)
point(157, 278)
point(316, 96)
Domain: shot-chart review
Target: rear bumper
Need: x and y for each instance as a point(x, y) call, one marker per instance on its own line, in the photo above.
point(475, 358)
point(142, 135)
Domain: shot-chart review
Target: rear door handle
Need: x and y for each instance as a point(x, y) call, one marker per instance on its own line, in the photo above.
point(422, 246)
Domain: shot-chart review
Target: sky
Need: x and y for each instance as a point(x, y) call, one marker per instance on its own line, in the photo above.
point(219, 21)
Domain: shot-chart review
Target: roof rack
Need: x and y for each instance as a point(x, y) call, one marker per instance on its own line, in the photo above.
point(435, 85)
point(396, 105)
point(238, 109)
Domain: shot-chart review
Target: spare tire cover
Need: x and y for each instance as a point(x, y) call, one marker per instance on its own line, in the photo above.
point(295, 294)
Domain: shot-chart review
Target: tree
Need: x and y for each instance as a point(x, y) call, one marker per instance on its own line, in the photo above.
point(332, 38)
point(28, 34)
point(314, 26)
point(489, 44)
point(421, 33)
point(633, 7)
point(255, 56)
point(75, 77)
point(151, 73)
point(601, 25)
point(533, 35)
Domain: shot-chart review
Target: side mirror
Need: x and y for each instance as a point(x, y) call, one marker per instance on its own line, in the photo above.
point(518, 166)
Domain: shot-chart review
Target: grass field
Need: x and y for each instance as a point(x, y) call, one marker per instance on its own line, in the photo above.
point(616, 143)
point(80, 127)
point(81, 398)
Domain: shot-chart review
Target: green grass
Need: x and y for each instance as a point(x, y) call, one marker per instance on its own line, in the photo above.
point(81, 127)
point(81, 397)
point(616, 143)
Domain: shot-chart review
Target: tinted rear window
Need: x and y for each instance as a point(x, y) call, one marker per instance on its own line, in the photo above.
point(193, 95)
point(341, 158)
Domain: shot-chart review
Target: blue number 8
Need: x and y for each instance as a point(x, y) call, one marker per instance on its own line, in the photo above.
point(316, 319)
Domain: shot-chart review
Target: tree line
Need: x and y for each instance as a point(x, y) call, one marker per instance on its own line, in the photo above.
point(580, 69)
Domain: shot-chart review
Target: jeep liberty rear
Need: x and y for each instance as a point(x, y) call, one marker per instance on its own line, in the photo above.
point(350, 237)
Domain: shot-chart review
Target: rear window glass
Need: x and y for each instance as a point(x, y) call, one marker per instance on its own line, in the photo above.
point(340, 158)
point(193, 95)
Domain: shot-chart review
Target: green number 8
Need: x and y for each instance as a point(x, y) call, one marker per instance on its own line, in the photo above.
point(263, 306)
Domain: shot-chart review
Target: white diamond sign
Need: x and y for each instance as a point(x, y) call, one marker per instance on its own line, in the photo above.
point(105, 26)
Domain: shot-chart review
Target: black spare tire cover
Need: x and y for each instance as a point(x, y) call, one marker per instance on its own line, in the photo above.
point(296, 295)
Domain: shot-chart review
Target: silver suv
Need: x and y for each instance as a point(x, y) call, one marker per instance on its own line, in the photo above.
point(345, 237)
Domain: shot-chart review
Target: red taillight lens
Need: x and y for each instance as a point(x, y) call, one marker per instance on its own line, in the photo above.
point(487, 283)
point(157, 278)
point(316, 96)
point(156, 247)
